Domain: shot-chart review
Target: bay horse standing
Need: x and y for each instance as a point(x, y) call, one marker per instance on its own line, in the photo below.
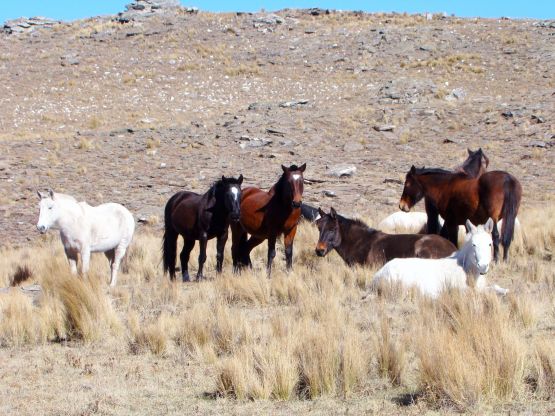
point(267, 215)
point(474, 166)
point(458, 197)
point(357, 243)
point(200, 217)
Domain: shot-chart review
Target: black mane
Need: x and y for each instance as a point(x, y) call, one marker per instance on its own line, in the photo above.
point(430, 171)
point(355, 222)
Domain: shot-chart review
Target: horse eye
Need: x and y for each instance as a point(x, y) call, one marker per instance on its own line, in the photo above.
point(50, 207)
point(473, 245)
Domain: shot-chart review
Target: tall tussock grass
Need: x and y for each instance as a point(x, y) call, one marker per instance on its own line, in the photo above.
point(68, 307)
point(469, 351)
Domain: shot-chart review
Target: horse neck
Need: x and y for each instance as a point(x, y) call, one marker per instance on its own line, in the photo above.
point(278, 194)
point(350, 231)
point(464, 260)
point(71, 216)
point(432, 183)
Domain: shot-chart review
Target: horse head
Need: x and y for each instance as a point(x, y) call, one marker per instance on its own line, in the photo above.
point(478, 246)
point(231, 189)
point(475, 164)
point(293, 177)
point(48, 211)
point(330, 235)
point(412, 191)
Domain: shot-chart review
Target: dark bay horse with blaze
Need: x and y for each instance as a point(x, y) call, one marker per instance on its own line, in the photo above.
point(458, 197)
point(267, 215)
point(200, 217)
point(357, 243)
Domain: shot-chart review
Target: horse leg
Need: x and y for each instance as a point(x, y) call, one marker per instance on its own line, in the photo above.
point(432, 225)
point(184, 257)
point(495, 238)
point(118, 256)
point(85, 259)
point(251, 243)
point(202, 255)
point(110, 255)
point(288, 243)
point(220, 246)
point(271, 254)
point(238, 241)
point(72, 259)
point(450, 232)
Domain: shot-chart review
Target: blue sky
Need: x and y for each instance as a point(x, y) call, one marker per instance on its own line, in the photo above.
point(76, 9)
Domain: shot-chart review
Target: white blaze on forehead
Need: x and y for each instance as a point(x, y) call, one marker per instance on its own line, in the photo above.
point(235, 191)
point(296, 176)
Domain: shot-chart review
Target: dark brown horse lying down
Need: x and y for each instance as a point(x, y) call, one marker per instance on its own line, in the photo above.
point(357, 243)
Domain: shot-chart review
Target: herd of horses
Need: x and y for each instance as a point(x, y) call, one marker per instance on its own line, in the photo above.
point(467, 195)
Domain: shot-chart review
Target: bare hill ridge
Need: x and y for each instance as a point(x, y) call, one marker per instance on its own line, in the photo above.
point(131, 112)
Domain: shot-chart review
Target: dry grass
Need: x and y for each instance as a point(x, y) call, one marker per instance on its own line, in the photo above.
point(301, 337)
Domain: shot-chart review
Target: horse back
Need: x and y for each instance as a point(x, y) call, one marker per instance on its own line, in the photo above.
point(184, 211)
point(392, 246)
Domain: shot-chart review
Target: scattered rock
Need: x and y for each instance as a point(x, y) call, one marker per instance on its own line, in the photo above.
point(259, 106)
point(537, 143)
point(274, 131)
point(289, 104)
point(507, 114)
point(538, 119)
point(255, 142)
point(330, 194)
point(340, 171)
point(269, 19)
point(384, 127)
point(316, 11)
point(24, 24)
point(68, 60)
point(140, 9)
point(456, 94)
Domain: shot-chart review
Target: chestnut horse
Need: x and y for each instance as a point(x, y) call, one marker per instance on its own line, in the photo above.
point(458, 197)
point(200, 217)
point(357, 243)
point(266, 215)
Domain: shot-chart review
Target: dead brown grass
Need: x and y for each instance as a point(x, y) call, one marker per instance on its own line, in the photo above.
point(307, 334)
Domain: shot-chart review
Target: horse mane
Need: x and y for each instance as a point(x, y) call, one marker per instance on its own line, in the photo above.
point(65, 196)
point(355, 222)
point(431, 171)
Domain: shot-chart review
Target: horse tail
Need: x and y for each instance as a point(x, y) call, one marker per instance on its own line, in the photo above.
point(511, 201)
point(169, 247)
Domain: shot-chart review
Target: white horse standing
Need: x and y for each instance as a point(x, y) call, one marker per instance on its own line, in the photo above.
point(107, 228)
point(466, 267)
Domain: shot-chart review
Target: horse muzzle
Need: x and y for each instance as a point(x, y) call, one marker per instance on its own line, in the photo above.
point(321, 249)
point(42, 229)
point(403, 206)
point(296, 204)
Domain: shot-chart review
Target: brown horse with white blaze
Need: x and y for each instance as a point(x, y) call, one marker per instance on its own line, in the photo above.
point(267, 215)
point(458, 197)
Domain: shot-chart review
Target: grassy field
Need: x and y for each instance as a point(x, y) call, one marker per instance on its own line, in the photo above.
point(316, 340)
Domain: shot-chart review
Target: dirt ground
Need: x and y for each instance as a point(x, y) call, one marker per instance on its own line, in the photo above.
point(134, 112)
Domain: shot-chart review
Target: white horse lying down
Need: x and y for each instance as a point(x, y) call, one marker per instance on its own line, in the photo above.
point(466, 267)
point(414, 222)
point(84, 229)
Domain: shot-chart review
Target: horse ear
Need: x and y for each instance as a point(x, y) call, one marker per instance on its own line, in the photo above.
point(240, 179)
point(488, 226)
point(470, 228)
point(412, 169)
point(283, 168)
point(469, 151)
point(321, 212)
point(333, 213)
point(223, 178)
point(39, 193)
point(51, 193)
point(303, 167)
